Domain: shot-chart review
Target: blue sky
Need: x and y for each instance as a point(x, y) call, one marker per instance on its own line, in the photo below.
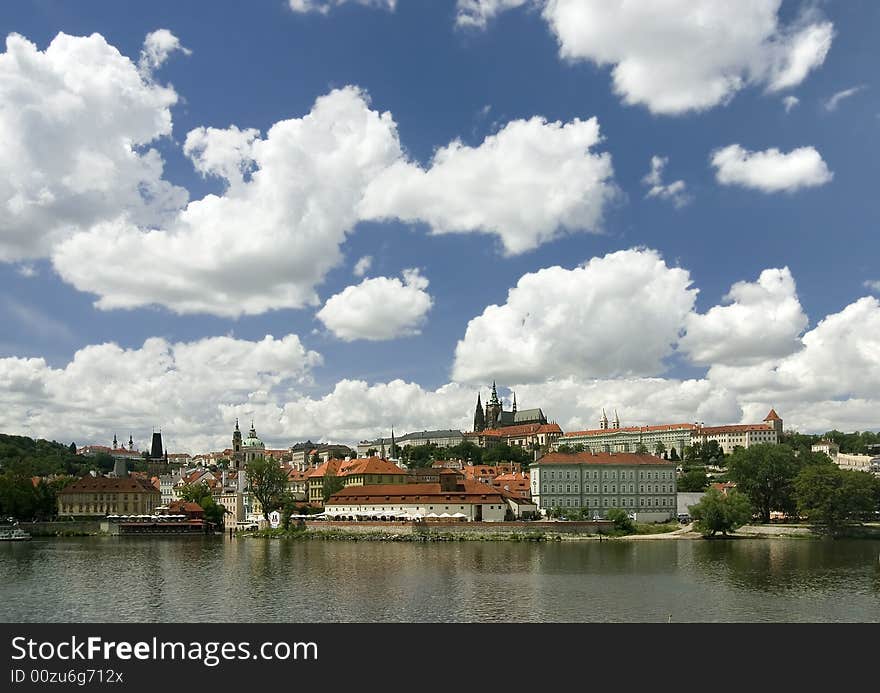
point(413, 350)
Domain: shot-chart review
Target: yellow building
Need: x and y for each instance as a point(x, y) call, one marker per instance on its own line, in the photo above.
point(357, 472)
point(103, 495)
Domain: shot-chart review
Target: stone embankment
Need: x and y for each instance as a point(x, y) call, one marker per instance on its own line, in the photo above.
point(457, 531)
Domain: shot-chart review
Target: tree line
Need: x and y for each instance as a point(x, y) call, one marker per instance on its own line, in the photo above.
point(799, 484)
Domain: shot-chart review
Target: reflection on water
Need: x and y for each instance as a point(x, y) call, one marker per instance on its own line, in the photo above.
point(141, 579)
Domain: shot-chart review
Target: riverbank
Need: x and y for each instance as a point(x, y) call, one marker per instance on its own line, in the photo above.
point(456, 531)
point(533, 531)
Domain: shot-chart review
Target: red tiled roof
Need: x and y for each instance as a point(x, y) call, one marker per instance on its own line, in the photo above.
point(480, 471)
point(180, 506)
point(506, 478)
point(330, 467)
point(619, 458)
point(512, 496)
point(369, 465)
point(735, 428)
point(631, 429)
point(772, 416)
point(105, 484)
point(521, 430)
point(473, 492)
point(372, 465)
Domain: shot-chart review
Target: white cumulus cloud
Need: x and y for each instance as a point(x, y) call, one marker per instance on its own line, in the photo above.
point(762, 320)
point(528, 183)
point(81, 185)
point(478, 13)
point(770, 170)
point(839, 359)
point(834, 101)
point(226, 154)
point(790, 102)
point(676, 191)
point(675, 56)
point(355, 410)
point(380, 308)
point(76, 122)
point(617, 315)
point(324, 6)
point(362, 266)
point(158, 45)
point(264, 244)
point(188, 389)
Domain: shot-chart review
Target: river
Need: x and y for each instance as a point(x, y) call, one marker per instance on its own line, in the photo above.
point(196, 579)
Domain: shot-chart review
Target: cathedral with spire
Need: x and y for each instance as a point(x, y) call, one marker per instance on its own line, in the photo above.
point(494, 416)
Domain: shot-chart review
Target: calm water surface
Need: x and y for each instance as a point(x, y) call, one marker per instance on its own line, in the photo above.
point(145, 579)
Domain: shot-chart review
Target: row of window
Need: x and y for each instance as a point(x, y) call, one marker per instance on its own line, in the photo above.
point(643, 488)
point(83, 497)
point(624, 474)
point(665, 503)
point(67, 508)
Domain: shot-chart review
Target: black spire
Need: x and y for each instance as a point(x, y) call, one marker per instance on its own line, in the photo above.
point(493, 400)
point(156, 446)
point(479, 417)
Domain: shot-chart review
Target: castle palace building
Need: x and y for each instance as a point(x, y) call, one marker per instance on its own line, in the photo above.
point(494, 416)
point(672, 437)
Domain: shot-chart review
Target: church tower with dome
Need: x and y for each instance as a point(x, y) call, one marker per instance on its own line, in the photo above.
point(246, 450)
point(252, 447)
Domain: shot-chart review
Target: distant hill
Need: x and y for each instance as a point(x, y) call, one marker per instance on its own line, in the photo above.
point(39, 457)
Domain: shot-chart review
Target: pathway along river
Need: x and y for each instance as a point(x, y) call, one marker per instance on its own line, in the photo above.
point(156, 579)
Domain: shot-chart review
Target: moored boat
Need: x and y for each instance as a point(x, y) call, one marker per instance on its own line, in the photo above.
point(13, 534)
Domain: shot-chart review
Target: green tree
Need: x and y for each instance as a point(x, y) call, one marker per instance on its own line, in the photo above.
point(201, 494)
point(712, 453)
point(693, 480)
point(621, 519)
point(833, 497)
point(420, 455)
point(565, 449)
point(194, 492)
point(372, 452)
point(332, 484)
point(467, 451)
point(72, 449)
point(267, 482)
point(506, 453)
point(673, 455)
point(289, 505)
point(718, 512)
point(765, 473)
point(103, 461)
point(214, 511)
point(641, 449)
point(659, 448)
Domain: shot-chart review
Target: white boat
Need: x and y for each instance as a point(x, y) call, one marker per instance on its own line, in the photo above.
point(13, 534)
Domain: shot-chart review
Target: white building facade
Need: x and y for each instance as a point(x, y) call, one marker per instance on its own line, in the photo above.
point(597, 482)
